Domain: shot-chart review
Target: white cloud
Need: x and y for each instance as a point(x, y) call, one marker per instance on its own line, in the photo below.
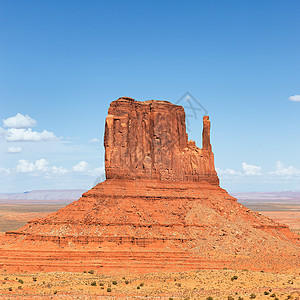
point(82, 166)
point(251, 170)
point(40, 166)
point(227, 172)
point(14, 149)
point(59, 170)
point(295, 98)
point(19, 121)
point(247, 170)
point(24, 166)
point(27, 135)
point(281, 170)
point(94, 140)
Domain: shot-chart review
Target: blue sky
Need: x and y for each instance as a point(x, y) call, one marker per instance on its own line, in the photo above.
point(63, 62)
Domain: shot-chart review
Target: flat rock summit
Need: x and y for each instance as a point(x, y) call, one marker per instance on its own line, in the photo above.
point(160, 208)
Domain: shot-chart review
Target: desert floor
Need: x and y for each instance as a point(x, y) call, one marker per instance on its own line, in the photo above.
point(201, 284)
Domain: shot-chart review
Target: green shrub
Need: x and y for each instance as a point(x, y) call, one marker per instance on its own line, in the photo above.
point(142, 284)
point(93, 283)
point(114, 282)
point(21, 281)
point(34, 278)
point(10, 289)
point(101, 284)
point(273, 295)
point(20, 288)
point(171, 298)
point(230, 298)
point(240, 298)
point(266, 293)
point(109, 290)
point(252, 296)
point(126, 281)
point(234, 277)
point(55, 292)
point(138, 287)
point(91, 272)
point(209, 298)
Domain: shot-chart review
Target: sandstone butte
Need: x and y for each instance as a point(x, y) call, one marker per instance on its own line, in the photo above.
point(160, 209)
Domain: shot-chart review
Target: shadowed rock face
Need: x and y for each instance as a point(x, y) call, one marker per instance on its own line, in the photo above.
point(148, 140)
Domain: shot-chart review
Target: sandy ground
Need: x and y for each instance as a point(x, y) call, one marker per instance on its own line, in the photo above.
point(290, 218)
point(201, 284)
point(15, 216)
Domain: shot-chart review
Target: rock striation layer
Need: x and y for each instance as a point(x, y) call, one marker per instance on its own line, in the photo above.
point(161, 207)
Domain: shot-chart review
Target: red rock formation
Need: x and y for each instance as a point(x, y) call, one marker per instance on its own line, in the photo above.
point(148, 140)
point(160, 207)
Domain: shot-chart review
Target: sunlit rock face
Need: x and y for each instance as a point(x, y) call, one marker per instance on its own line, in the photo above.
point(148, 140)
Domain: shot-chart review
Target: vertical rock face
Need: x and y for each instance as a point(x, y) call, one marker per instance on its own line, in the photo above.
point(148, 140)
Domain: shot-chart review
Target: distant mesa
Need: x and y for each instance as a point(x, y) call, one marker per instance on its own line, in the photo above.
point(42, 196)
point(160, 208)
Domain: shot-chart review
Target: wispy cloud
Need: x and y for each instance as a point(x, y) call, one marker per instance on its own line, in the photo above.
point(282, 170)
point(228, 172)
point(251, 170)
point(94, 140)
point(295, 98)
point(4, 171)
point(19, 121)
point(2, 132)
point(81, 167)
point(247, 170)
point(14, 150)
point(43, 167)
